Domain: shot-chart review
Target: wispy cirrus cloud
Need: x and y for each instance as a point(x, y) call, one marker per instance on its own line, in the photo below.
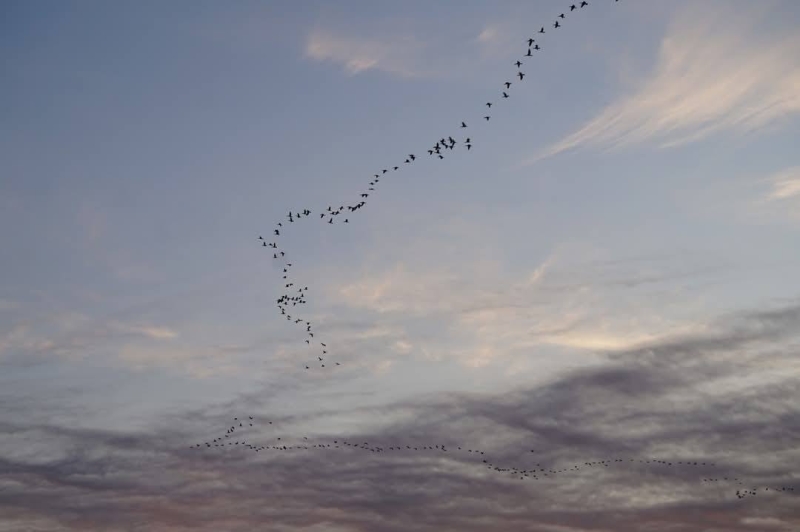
point(717, 70)
point(784, 185)
point(395, 55)
point(772, 197)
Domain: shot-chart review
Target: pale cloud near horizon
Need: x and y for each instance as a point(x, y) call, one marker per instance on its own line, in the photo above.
point(715, 72)
point(396, 56)
point(483, 322)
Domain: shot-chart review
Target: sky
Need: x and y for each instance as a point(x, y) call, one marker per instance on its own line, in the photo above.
point(603, 285)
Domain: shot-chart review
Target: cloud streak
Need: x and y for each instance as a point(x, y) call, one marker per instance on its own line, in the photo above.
point(784, 185)
point(715, 72)
point(398, 56)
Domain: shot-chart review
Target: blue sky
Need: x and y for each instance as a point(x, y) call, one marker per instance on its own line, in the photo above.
point(622, 235)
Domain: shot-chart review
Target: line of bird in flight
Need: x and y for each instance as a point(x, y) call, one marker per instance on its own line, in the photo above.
point(234, 439)
point(295, 295)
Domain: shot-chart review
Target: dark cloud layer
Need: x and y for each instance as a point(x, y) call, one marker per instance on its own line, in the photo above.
point(691, 398)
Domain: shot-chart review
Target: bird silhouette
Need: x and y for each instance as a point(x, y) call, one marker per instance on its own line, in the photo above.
point(438, 150)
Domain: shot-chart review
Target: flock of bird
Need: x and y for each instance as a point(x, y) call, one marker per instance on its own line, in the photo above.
point(237, 439)
point(289, 304)
point(294, 296)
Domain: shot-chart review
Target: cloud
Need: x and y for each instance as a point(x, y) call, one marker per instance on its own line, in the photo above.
point(781, 200)
point(556, 304)
point(398, 56)
point(662, 402)
point(767, 198)
point(156, 333)
point(770, 523)
point(536, 276)
point(716, 71)
point(488, 34)
point(76, 336)
point(785, 185)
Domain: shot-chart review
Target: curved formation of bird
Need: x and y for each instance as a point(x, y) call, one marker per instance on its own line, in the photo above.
point(236, 437)
point(289, 304)
point(295, 295)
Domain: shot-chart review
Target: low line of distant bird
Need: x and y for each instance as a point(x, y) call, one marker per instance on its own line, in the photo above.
point(235, 438)
point(294, 295)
